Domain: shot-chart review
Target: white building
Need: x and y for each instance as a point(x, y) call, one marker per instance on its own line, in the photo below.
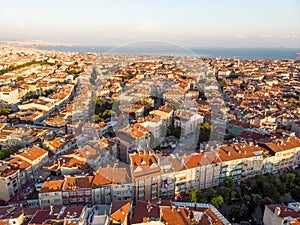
point(9, 95)
point(278, 214)
point(188, 121)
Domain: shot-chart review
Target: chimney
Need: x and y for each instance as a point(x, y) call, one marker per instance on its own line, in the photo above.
point(51, 210)
point(158, 159)
point(173, 208)
point(277, 211)
point(131, 161)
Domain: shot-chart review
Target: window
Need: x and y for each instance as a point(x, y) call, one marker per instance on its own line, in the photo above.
point(44, 195)
point(73, 200)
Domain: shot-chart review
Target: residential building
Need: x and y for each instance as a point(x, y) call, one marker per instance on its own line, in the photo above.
point(10, 182)
point(120, 212)
point(165, 113)
point(187, 120)
point(112, 183)
point(278, 214)
point(145, 172)
point(51, 193)
point(77, 190)
point(62, 214)
point(36, 156)
point(9, 95)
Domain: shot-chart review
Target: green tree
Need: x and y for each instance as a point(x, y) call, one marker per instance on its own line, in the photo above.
point(267, 201)
point(235, 212)
point(174, 131)
point(288, 179)
point(225, 192)
point(4, 111)
point(223, 83)
point(217, 201)
point(296, 194)
point(210, 194)
point(193, 196)
point(44, 93)
point(19, 78)
point(96, 118)
point(281, 188)
point(199, 195)
point(228, 182)
point(204, 131)
point(177, 132)
point(3, 154)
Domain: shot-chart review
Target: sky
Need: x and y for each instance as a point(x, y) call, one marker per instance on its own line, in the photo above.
point(192, 23)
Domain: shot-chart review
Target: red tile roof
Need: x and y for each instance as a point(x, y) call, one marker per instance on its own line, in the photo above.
point(120, 210)
point(145, 211)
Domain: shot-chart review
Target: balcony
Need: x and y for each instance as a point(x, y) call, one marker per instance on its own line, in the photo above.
point(141, 188)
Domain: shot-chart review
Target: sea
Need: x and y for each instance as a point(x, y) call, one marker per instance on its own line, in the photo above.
point(204, 52)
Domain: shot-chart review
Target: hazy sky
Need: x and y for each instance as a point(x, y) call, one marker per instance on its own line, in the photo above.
point(210, 23)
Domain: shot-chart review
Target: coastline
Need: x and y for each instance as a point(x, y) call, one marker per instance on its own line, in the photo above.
point(238, 53)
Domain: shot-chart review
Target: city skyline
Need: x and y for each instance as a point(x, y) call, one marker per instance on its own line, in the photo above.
point(192, 24)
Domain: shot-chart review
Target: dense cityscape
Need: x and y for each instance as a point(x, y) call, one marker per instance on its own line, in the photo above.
point(119, 139)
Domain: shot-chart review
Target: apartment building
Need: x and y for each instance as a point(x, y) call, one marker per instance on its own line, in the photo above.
point(165, 113)
point(11, 215)
point(10, 182)
point(241, 161)
point(112, 183)
point(155, 125)
point(278, 214)
point(50, 193)
point(59, 214)
point(132, 137)
point(120, 212)
point(94, 130)
point(25, 168)
point(36, 156)
point(174, 213)
point(283, 153)
point(9, 95)
point(187, 120)
point(77, 190)
point(145, 173)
